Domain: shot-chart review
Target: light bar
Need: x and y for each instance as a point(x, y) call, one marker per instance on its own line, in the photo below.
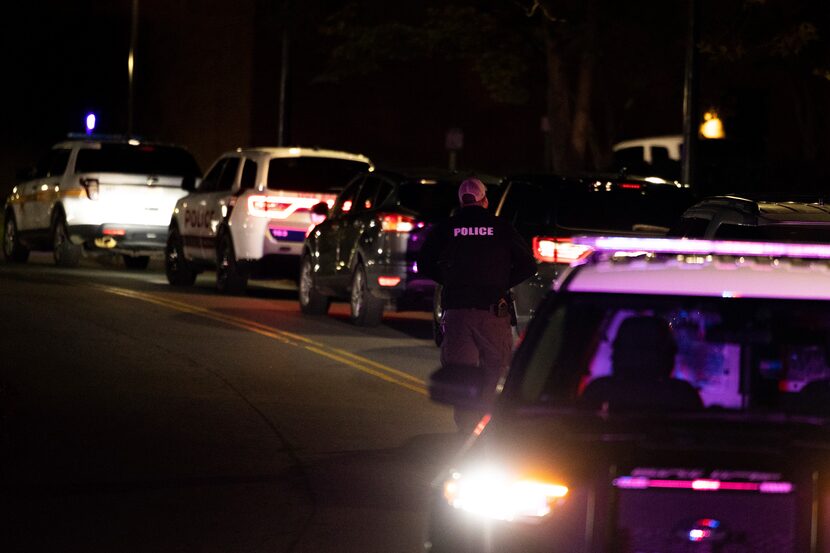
point(702, 485)
point(705, 247)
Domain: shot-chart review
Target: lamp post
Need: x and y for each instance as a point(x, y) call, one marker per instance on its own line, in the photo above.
point(131, 67)
point(690, 93)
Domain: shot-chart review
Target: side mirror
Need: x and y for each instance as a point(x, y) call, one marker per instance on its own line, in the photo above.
point(190, 183)
point(457, 385)
point(319, 212)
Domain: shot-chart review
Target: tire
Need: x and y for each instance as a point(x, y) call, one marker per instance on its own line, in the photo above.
point(230, 277)
point(13, 250)
point(312, 302)
point(437, 317)
point(65, 253)
point(136, 262)
point(177, 268)
point(366, 309)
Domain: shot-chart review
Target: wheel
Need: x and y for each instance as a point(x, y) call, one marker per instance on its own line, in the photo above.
point(230, 277)
point(13, 250)
point(437, 317)
point(312, 302)
point(366, 309)
point(178, 270)
point(136, 262)
point(65, 253)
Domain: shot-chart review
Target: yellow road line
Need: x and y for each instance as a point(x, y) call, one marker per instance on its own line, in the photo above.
point(348, 358)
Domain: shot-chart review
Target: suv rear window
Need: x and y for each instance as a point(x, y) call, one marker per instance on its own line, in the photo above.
point(144, 159)
point(312, 174)
point(538, 208)
point(619, 209)
point(433, 200)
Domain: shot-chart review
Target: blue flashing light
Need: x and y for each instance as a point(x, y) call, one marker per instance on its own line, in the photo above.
point(90, 123)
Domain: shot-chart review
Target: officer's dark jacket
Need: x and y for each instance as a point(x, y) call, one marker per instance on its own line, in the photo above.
point(477, 257)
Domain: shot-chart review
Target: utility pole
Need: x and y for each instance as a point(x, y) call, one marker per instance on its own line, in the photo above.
point(131, 67)
point(283, 86)
point(690, 101)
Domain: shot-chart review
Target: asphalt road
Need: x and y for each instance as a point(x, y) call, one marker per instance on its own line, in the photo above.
point(139, 417)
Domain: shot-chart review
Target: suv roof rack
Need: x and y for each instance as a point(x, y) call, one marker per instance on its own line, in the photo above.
point(685, 246)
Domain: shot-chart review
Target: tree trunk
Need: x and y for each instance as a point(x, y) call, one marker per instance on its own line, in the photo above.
point(582, 131)
point(558, 106)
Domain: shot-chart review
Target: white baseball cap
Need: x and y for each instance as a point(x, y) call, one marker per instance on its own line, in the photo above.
point(472, 191)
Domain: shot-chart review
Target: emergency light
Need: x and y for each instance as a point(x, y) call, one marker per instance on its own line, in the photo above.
point(685, 246)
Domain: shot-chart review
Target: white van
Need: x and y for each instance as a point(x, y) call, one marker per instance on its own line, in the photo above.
point(657, 156)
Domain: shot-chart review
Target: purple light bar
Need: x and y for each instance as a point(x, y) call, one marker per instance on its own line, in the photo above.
point(705, 247)
point(702, 485)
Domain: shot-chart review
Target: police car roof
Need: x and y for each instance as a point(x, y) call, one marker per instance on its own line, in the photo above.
point(729, 269)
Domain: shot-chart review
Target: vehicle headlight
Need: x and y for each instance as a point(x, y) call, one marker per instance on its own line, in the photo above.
point(498, 495)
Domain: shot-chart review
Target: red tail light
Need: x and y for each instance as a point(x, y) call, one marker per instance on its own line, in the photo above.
point(389, 280)
point(280, 207)
point(396, 223)
point(631, 186)
point(558, 250)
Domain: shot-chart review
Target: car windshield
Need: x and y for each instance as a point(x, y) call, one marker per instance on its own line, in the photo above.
point(144, 159)
point(680, 353)
point(312, 174)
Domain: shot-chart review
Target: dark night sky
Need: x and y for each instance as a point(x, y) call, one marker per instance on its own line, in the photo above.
point(207, 77)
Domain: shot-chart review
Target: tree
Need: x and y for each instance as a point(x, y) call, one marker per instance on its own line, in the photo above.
point(777, 43)
point(580, 52)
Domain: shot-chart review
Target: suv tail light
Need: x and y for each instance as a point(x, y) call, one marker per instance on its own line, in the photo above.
point(279, 207)
point(391, 222)
point(91, 188)
point(558, 250)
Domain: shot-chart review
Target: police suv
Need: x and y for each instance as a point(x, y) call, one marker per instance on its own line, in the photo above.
point(250, 214)
point(108, 194)
point(669, 396)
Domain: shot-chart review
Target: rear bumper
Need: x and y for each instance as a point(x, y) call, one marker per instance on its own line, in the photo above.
point(129, 239)
point(411, 293)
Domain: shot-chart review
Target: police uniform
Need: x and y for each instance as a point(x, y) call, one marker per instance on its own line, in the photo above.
point(477, 258)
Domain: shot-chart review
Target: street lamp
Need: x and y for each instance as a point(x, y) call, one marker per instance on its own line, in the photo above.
point(712, 126)
point(131, 66)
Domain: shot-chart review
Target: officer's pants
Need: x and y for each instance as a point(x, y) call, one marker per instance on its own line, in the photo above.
point(478, 338)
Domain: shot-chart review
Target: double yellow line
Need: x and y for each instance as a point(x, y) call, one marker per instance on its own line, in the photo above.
point(362, 364)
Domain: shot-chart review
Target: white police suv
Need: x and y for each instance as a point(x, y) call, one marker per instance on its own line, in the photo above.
point(250, 214)
point(91, 193)
point(669, 396)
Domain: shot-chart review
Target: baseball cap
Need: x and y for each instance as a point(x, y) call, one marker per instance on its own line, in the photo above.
point(471, 191)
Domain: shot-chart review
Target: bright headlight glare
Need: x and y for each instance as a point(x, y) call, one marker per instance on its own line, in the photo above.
point(497, 495)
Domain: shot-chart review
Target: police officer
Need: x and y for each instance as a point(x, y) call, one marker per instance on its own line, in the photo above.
point(477, 258)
